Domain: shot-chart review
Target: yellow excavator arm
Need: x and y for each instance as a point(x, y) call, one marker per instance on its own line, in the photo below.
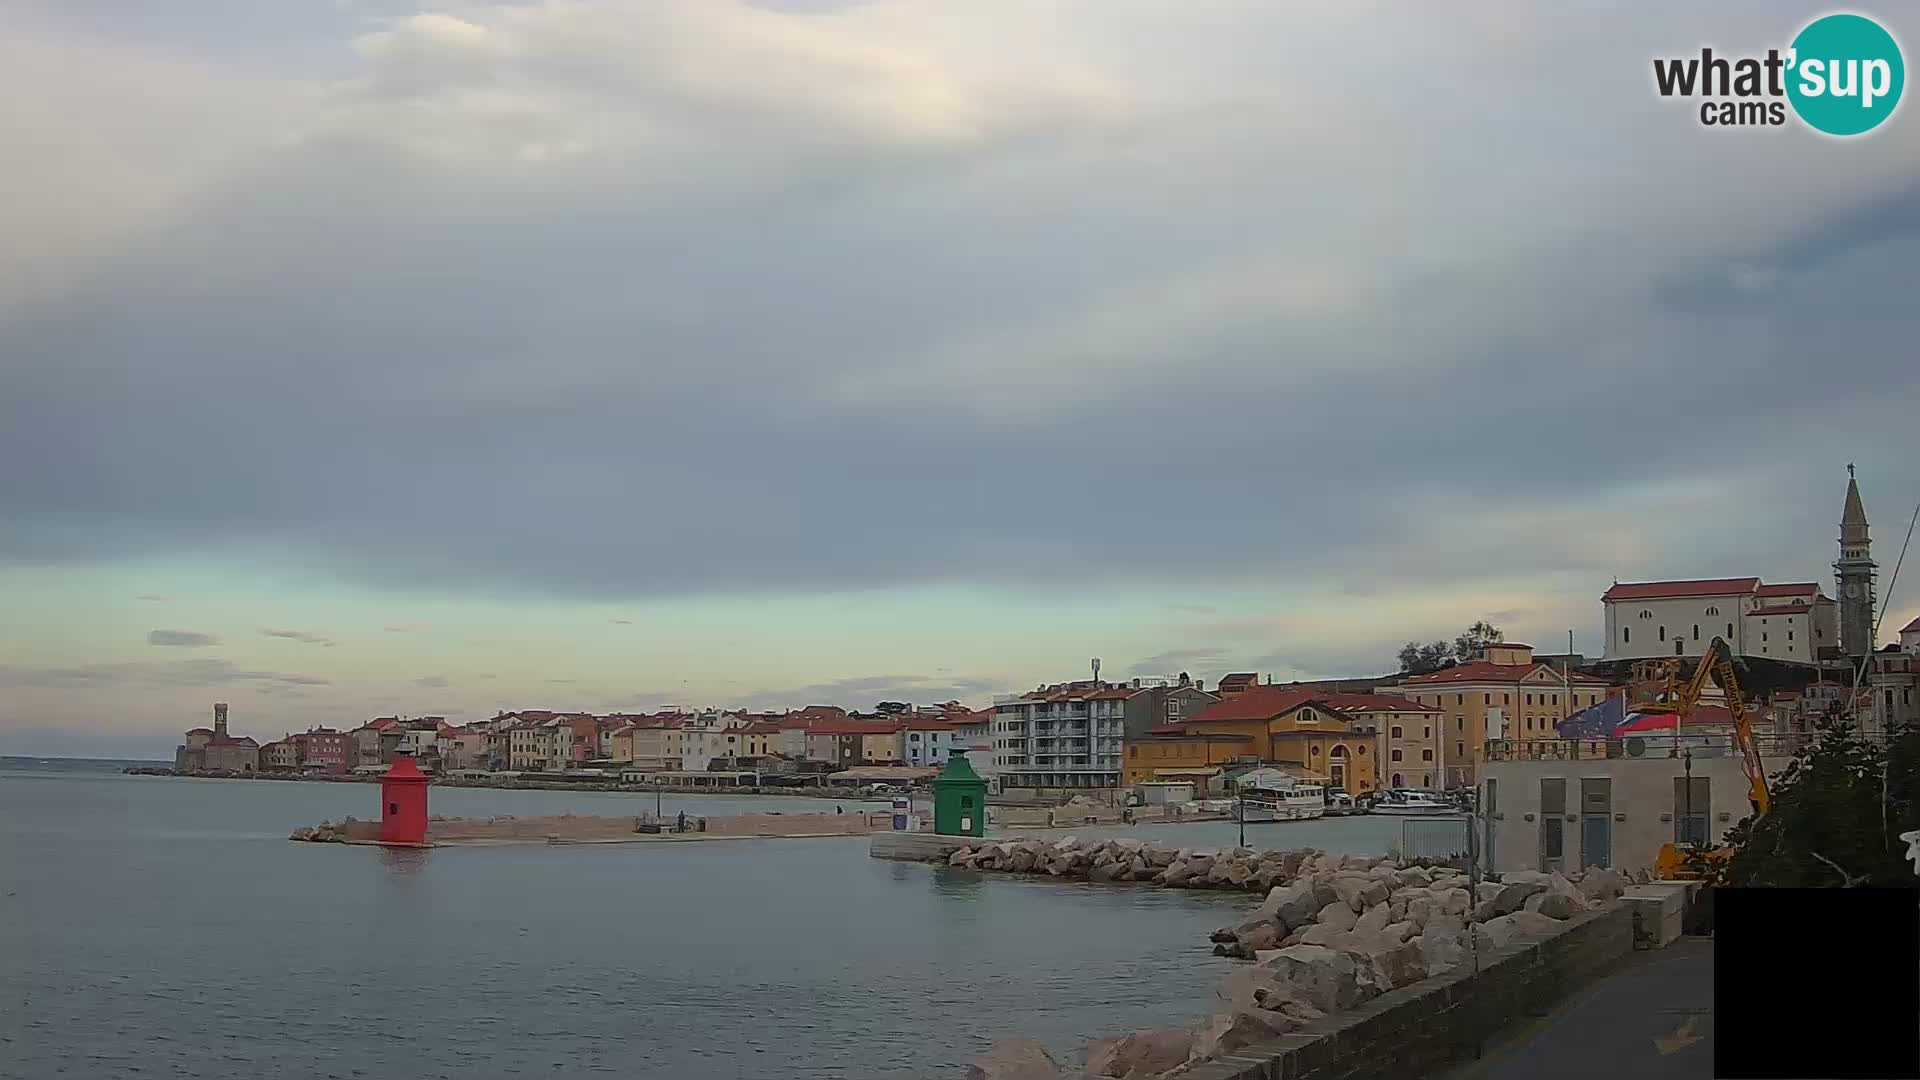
point(1716, 665)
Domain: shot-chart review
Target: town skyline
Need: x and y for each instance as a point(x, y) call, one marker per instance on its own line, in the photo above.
point(444, 360)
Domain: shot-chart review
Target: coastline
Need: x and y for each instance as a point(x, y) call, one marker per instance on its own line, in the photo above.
point(842, 792)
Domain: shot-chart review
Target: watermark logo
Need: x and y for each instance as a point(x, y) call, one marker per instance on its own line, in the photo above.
point(1842, 75)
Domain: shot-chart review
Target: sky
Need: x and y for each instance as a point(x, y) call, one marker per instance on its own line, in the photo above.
point(362, 358)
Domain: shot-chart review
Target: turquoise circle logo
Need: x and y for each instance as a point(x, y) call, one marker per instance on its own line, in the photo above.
point(1847, 74)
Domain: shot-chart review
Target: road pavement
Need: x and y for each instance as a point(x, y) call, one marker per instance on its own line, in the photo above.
point(1650, 1020)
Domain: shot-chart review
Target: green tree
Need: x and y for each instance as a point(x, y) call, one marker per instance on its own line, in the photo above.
point(1828, 825)
point(1418, 659)
point(1475, 641)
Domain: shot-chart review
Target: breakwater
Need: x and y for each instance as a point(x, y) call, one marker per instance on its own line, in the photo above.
point(1332, 933)
point(596, 829)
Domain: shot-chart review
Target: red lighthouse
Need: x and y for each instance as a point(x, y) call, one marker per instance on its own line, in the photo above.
point(403, 803)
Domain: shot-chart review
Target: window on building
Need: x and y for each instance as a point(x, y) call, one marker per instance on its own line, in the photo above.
point(1489, 700)
point(1426, 732)
point(1529, 699)
point(1393, 755)
point(1626, 633)
point(1459, 723)
point(1692, 808)
point(1394, 731)
point(1696, 631)
point(1679, 647)
point(1506, 699)
point(1362, 750)
point(1133, 751)
point(1713, 611)
point(1789, 635)
point(1763, 633)
point(1729, 631)
point(1459, 751)
point(1426, 755)
point(1663, 633)
point(1645, 614)
point(1459, 699)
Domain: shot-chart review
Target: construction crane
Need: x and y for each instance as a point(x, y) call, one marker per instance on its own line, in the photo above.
point(1716, 665)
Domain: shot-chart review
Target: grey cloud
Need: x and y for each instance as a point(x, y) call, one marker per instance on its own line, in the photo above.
point(177, 673)
point(433, 682)
point(155, 598)
point(186, 639)
point(863, 691)
point(301, 636)
point(621, 622)
point(1197, 397)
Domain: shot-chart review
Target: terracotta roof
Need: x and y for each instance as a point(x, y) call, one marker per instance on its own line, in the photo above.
point(762, 727)
point(1487, 671)
point(1798, 588)
point(1080, 691)
point(1662, 590)
point(929, 723)
point(1267, 702)
point(1798, 608)
point(1240, 678)
point(1180, 731)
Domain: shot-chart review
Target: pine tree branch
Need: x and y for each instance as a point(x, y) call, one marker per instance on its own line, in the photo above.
point(1848, 880)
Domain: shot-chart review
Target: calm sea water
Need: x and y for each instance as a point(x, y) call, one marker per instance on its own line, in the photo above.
point(154, 926)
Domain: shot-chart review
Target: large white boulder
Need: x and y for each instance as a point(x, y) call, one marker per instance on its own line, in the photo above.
point(1141, 1054)
point(1014, 1059)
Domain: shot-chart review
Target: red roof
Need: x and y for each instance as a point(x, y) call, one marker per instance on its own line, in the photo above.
point(1798, 608)
point(761, 727)
point(1240, 678)
point(1182, 730)
point(1663, 590)
point(1488, 671)
point(1798, 588)
point(929, 723)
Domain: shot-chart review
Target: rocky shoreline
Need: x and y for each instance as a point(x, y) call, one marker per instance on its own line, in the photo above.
point(1333, 932)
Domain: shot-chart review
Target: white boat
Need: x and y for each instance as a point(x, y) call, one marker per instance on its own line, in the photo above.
point(1407, 803)
point(1296, 802)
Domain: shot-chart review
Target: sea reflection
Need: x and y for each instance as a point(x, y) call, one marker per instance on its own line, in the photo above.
point(404, 861)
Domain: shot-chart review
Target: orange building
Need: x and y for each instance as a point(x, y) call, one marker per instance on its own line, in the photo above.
point(1505, 695)
point(1273, 725)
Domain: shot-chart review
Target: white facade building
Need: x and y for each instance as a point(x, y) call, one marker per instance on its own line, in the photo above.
point(1064, 736)
point(1648, 620)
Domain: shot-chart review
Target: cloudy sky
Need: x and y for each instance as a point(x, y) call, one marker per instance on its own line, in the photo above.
point(363, 357)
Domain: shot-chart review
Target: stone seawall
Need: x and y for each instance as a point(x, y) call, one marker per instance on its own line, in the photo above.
point(1414, 1030)
point(589, 829)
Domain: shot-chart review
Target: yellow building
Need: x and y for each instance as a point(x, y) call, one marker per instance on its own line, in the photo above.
point(1270, 724)
point(1505, 695)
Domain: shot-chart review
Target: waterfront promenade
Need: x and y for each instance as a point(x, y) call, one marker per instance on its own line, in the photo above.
point(1651, 1020)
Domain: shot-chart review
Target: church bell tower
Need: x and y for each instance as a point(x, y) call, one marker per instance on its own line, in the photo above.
point(1854, 574)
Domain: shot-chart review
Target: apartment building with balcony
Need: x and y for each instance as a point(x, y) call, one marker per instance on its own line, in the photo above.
point(1067, 735)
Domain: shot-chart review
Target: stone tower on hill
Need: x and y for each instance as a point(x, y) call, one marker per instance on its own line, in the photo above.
point(1854, 574)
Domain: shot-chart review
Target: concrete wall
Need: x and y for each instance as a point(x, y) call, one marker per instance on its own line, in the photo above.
point(1642, 791)
point(1416, 1030)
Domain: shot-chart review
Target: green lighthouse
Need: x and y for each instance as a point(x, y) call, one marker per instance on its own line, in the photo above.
point(959, 799)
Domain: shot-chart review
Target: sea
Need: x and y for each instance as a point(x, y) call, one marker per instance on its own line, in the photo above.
point(165, 927)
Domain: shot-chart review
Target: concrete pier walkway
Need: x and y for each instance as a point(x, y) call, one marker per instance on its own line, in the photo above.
point(1650, 1020)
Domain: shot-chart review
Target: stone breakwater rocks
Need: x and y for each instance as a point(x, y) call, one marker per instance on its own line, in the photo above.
point(1332, 932)
point(324, 833)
